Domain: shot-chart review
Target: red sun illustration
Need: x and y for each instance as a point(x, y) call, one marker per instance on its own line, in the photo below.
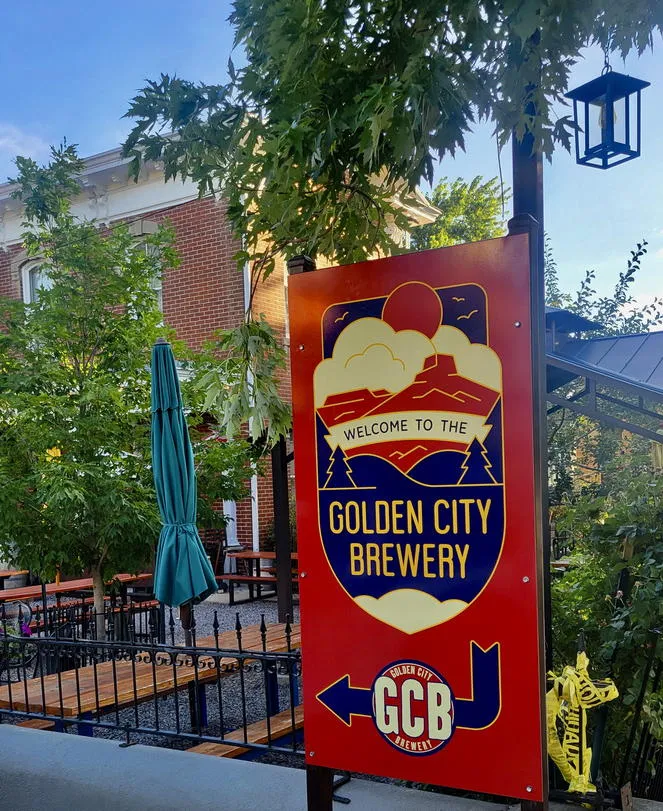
point(413, 305)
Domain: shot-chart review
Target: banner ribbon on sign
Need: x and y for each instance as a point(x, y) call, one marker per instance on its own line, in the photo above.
point(451, 426)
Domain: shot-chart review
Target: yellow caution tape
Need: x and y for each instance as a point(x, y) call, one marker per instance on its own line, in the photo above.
point(572, 694)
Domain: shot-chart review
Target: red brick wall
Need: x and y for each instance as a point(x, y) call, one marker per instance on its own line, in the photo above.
point(206, 292)
point(270, 300)
point(10, 278)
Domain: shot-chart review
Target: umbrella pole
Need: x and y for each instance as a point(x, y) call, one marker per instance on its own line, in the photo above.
point(186, 615)
point(185, 619)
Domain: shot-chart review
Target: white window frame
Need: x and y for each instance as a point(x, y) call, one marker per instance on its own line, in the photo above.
point(27, 268)
point(137, 229)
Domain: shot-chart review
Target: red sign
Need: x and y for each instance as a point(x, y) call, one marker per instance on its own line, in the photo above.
point(413, 411)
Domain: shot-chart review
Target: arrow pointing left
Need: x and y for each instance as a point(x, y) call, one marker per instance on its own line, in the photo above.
point(345, 701)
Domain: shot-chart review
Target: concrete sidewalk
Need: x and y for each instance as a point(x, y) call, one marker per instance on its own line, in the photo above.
point(62, 772)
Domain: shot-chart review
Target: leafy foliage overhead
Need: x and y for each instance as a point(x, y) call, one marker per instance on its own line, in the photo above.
point(76, 486)
point(618, 313)
point(470, 212)
point(341, 101)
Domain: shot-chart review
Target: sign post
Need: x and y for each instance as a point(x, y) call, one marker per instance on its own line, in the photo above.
point(415, 410)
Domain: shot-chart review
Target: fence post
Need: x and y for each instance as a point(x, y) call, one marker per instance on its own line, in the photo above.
point(319, 788)
point(655, 634)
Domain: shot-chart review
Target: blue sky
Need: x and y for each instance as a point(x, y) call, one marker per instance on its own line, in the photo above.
point(69, 69)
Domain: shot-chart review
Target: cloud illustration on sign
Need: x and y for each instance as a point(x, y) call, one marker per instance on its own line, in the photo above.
point(369, 354)
point(410, 610)
point(475, 361)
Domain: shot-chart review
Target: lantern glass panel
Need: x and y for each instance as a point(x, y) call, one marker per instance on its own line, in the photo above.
point(596, 123)
point(607, 112)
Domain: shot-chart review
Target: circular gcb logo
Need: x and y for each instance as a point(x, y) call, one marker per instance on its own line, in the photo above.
point(413, 707)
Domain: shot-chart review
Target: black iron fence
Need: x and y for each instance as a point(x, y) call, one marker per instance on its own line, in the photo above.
point(133, 619)
point(562, 543)
point(646, 769)
point(238, 687)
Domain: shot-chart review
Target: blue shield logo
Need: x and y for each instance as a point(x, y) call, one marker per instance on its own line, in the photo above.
point(409, 452)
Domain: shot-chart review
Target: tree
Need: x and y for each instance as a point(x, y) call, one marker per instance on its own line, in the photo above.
point(76, 486)
point(342, 108)
point(339, 471)
point(580, 448)
point(340, 102)
point(470, 212)
point(476, 467)
point(617, 313)
point(616, 528)
point(607, 504)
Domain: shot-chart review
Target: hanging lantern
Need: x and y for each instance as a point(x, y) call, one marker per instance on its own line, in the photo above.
point(606, 112)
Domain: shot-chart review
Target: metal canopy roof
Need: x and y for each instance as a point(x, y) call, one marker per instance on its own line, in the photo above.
point(638, 358)
point(568, 321)
point(624, 371)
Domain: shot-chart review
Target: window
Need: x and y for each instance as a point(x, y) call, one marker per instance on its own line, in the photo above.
point(138, 229)
point(157, 286)
point(34, 278)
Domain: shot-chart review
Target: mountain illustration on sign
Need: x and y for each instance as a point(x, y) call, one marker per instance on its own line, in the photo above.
point(409, 480)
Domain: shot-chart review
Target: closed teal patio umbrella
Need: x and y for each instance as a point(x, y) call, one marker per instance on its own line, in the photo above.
point(182, 572)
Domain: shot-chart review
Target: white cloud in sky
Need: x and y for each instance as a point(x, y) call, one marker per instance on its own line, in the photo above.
point(659, 253)
point(13, 142)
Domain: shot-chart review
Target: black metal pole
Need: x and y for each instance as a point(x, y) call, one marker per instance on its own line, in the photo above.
point(528, 218)
point(282, 529)
point(528, 199)
point(319, 788)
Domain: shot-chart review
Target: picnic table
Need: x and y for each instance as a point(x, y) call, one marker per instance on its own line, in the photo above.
point(65, 587)
point(255, 577)
point(5, 574)
point(77, 695)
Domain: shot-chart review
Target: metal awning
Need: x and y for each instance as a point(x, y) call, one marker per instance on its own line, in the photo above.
point(567, 321)
point(623, 376)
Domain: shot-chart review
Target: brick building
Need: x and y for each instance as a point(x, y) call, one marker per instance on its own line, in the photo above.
point(207, 292)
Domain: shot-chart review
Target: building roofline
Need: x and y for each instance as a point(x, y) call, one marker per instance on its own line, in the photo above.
point(99, 162)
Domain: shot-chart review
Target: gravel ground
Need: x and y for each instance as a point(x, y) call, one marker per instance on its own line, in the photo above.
point(249, 614)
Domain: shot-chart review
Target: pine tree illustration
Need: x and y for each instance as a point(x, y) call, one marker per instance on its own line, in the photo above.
point(476, 467)
point(338, 471)
point(493, 441)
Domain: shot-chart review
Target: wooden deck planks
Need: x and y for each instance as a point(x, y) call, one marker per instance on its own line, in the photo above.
point(120, 683)
point(279, 726)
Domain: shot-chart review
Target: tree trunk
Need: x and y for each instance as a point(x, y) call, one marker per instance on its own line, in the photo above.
point(99, 588)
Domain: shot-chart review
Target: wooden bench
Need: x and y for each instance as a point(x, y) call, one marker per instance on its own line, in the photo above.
point(127, 609)
point(37, 723)
point(251, 580)
point(279, 726)
point(76, 695)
